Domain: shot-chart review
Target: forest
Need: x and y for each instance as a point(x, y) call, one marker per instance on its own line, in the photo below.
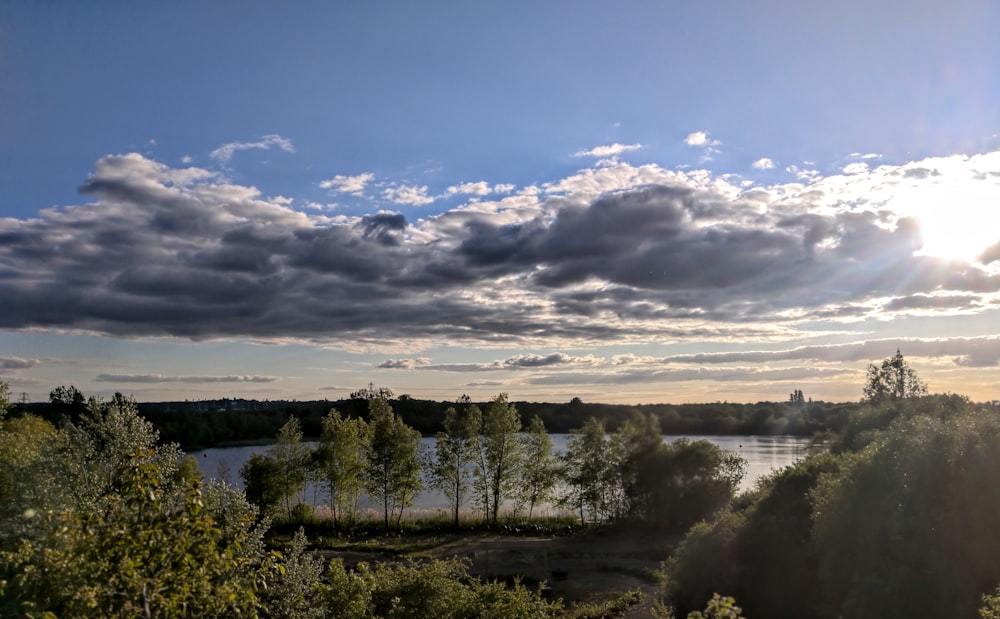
point(894, 517)
point(229, 422)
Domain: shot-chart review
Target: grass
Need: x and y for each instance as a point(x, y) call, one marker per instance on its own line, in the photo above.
point(645, 574)
point(417, 531)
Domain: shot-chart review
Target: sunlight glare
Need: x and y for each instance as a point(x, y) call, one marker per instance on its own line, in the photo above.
point(957, 225)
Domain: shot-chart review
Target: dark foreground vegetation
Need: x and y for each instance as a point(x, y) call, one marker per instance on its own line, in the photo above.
point(897, 518)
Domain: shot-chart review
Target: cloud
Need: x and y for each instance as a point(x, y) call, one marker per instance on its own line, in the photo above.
point(480, 188)
point(763, 164)
point(700, 138)
point(620, 254)
point(225, 152)
point(610, 150)
point(16, 363)
point(354, 185)
point(404, 364)
point(855, 168)
point(160, 378)
point(415, 195)
point(516, 362)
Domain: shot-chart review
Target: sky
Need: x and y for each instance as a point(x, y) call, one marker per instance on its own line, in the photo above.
point(627, 203)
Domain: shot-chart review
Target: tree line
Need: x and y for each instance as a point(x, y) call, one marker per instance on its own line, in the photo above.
point(487, 459)
point(192, 429)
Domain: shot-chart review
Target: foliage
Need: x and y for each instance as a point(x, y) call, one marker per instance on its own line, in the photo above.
point(262, 482)
point(340, 458)
point(4, 398)
point(499, 456)
point(392, 470)
point(588, 471)
point(991, 606)
point(142, 553)
point(892, 380)
point(440, 589)
point(103, 442)
point(449, 470)
point(899, 524)
point(291, 461)
point(719, 607)
point(540, 470)
point(294, 593)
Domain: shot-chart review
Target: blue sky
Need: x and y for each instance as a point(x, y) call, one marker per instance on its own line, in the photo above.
point(655, 201)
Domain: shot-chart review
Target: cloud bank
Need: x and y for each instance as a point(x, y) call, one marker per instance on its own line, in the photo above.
point(611, 254)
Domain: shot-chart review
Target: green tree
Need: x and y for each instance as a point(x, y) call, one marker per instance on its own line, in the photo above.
point(24, 444)
point(67, 401)
point(340, 457)
point(892, 380)
point(4, 398)
point(294, 592)
point(499, 456)
point(637, 445)
point(453, 452)
point(92, 450)
point(540, 470)
point(392, 471)
point(587, 470)
point(142, 553)
point(262, 483)
point(291, 458)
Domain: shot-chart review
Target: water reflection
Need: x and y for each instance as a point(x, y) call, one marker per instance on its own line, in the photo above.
point(764, 454)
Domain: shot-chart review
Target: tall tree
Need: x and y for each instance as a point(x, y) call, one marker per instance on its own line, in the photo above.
point(4, 398)
point(892, 380)
point(392, 471)
point(291, 459)
point(340, 457)
point(454, 451)
point(107, 436)
point(540, 469)
point(499, 455)
point(587, 470)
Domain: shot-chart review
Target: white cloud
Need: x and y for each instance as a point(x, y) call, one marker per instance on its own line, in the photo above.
point(855, 168)
point(415, 195)
point(482, 188)
point(700, 138)
point(806, 175)
point(354, 185)
point(610, 150)
point(763, 163)
point(186, 159)
point(225, 152)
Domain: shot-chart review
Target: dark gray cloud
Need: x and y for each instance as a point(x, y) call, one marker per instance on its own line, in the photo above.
point(17, 363)
point(979, 351)
point(516, 362)
point(161, 251)
point(160, 378)
point(650, 375)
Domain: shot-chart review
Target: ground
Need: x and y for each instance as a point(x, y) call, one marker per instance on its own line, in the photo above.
point(598, 563)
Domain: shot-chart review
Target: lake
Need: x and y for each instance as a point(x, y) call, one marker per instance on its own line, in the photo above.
point(764, 454)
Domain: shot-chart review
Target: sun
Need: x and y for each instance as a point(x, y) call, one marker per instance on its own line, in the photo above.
point(959, 224)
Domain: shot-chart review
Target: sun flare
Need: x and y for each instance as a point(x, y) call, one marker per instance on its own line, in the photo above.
point(957, 224)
